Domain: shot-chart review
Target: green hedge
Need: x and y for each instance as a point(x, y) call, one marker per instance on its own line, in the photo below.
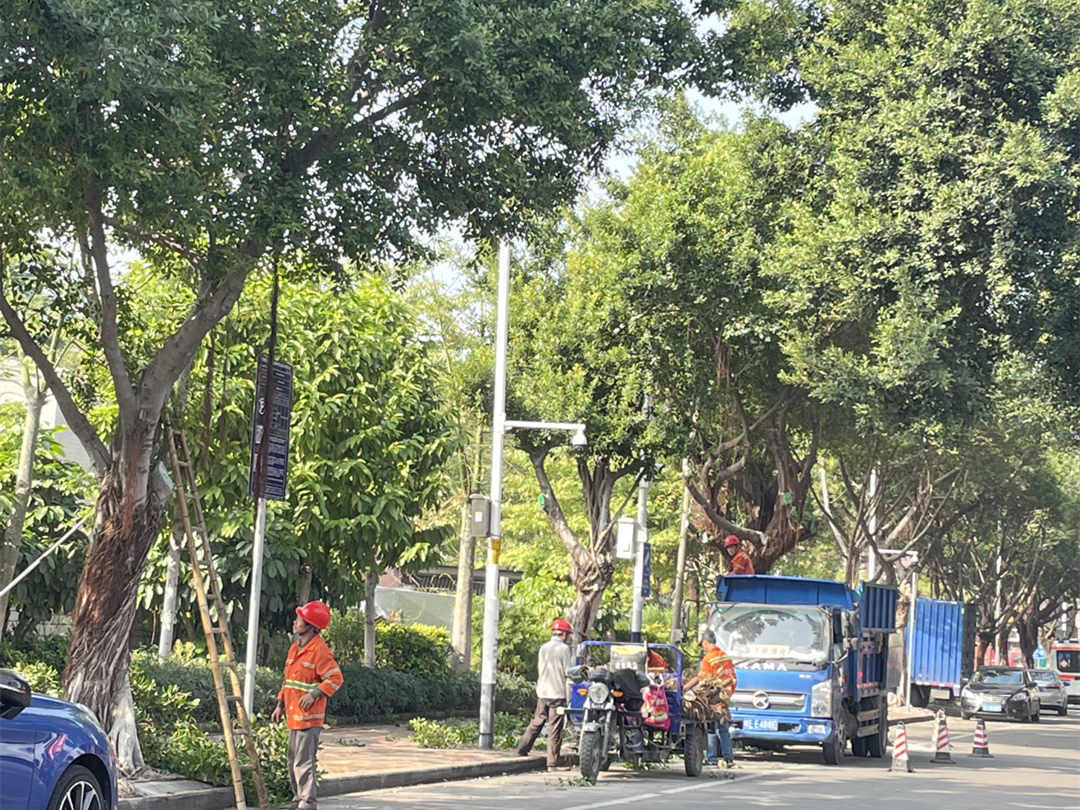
point(416, 648)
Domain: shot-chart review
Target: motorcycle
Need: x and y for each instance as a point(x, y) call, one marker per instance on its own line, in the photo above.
point(606, 707)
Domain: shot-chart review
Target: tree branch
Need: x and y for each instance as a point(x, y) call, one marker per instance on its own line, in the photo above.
point(110, 338)
point(157, 239)
point(79, 424)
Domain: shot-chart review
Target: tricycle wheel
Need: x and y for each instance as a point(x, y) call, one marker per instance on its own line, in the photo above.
point(694, 751)
point(590, 756)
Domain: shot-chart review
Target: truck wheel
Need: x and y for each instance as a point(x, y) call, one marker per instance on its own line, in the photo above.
point(590, 755)
point(859, 747)
point(877, 743)
point(694, 751)
point(833, 750)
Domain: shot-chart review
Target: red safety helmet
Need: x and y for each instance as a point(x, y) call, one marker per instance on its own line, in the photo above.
point(561, 626)
point(731, 540)
point(316, 613)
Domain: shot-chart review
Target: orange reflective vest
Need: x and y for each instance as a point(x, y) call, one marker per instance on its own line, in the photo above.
point(309, 669)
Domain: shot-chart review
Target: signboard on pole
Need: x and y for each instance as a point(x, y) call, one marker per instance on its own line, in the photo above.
point(275, 430)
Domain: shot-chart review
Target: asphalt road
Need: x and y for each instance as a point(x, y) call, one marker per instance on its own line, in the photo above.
point(1033, 766)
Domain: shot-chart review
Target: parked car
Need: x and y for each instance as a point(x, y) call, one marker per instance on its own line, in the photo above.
point(53, 754)
point(1052, 694)
point(1001, 692)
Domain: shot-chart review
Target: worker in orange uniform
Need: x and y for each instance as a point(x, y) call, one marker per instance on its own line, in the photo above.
point(737, 559)
point(311, 676)
point(714, 685)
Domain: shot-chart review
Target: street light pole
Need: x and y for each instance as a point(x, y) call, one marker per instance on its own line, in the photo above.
point(641, 537)
point(491, 572)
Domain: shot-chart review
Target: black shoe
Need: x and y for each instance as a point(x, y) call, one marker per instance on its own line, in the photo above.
point(521, 753)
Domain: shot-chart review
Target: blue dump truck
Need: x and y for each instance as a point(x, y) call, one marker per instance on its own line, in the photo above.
point(811, 658)
point(942, 650)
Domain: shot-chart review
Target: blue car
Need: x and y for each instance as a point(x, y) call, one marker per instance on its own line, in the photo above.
point(53, 754)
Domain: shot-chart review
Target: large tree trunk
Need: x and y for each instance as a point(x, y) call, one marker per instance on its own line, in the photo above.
point(98, 662)
point(24, 481)
point(371, 581)
point(462, 632)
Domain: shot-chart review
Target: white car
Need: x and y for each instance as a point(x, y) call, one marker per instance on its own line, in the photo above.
point(1052, 693)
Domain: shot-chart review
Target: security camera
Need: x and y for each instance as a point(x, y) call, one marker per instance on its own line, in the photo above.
point(578, 440)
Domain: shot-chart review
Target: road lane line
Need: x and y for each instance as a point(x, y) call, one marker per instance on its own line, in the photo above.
point(695, 786)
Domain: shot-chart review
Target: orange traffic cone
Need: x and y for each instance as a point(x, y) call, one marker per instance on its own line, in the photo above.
point(900, 758)
point(980, 746)
point(941, 740)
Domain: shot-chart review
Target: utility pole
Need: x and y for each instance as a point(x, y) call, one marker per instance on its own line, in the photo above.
point(680, 562)
point(871, 558)
point(641, 538)
point(491, 571)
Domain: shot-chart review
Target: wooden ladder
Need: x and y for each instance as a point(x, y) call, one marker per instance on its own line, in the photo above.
point(234, 717)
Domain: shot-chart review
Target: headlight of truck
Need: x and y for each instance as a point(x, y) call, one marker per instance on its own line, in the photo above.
point(598, 692)
point(821, 699)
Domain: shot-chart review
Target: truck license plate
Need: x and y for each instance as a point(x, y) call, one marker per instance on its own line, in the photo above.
point(762, 724)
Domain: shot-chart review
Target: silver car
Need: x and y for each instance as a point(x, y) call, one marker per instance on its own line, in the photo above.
point(1052, 693)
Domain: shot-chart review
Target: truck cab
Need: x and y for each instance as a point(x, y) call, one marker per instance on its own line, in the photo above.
point(810, 656)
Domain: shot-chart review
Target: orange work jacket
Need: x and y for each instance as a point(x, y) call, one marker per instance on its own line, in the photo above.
point(740, 563)
point(310, 668)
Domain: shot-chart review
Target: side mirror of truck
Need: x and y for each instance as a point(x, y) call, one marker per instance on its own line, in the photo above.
point(837, 628)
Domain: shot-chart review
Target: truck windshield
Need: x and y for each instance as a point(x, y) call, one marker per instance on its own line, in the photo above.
point(770, 637)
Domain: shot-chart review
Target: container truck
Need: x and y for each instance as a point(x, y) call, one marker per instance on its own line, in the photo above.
point(942, 650)
point(811, 657)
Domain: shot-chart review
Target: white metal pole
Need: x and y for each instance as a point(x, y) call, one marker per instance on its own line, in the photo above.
point(911, 630)
point(641, 537)
point(253, 604)
point(871, 559)
point(29, 569)
point(491, 572)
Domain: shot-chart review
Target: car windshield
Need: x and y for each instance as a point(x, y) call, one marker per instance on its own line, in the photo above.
point(769, 637)
point(1043, 675)
point(998, 676)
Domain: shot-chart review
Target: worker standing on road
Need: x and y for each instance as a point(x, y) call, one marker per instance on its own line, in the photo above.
point(311, 676)
point(714, 685)
point(551, 684)
point(737, 559)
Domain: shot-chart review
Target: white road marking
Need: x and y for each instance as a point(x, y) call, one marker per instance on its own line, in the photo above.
point(695, 786)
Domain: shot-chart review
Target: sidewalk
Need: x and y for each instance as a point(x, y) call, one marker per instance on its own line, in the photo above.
point(353, 758)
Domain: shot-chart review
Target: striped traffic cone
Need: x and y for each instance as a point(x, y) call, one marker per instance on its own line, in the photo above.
point(900, 758)
point(980, 746)
point(941, 740)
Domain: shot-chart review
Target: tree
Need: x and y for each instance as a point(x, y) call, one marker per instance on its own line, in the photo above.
point(213, 134)
point(687, 240)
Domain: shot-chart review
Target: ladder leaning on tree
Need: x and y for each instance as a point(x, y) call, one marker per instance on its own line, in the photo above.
point(234, 717)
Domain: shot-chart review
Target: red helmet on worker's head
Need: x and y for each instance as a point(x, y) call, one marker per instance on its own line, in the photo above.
point(316, 613)
point(731, 540)
point(561, 626)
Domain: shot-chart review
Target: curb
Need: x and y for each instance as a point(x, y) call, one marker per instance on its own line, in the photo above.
point(909, 720)
point(219, 798)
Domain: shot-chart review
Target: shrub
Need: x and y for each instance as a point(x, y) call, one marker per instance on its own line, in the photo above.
point(418, 648)
point(41, 677)
point(187, 749)
point(51, 652)
point(429, 733)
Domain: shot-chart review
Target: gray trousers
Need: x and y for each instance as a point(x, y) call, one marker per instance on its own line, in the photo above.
point(303, 749)
point(545, 714)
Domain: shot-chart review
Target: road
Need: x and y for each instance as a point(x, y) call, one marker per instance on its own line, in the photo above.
point(1033, 766)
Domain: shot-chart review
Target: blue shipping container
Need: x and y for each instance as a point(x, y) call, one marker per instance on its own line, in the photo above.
point(938, 653)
